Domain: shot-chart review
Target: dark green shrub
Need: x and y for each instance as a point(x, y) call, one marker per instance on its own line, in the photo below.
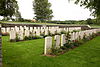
point(55, 51)
point(63, 32)
point(37, 37)
point(63, 48)
point(13, 40)
point(76, 43)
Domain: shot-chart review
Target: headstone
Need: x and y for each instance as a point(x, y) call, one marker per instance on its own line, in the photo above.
point(76, 35)
point(24, 27)
point(16, 29)
point(63, 39)
point(48, 45)
point(8, 29)
point(81, 34)
point(46, 31)
point(57, 41)
point(42, 31)
point(3, 30)
point(12, 35)
point(20, 35)
point(31, 29)
point(38, 32)
point(72, 36)
point(27, 28)
point(58, 31)
point(27, 33)
point(33, 33)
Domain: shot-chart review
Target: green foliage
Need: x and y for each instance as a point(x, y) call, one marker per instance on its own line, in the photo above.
point(28, 38)
point(63, 47)
point(93, 5)
point(55, 51)
point(37, 37)
point(42, 10)
point(89, 21)
point(63, 32)
point(49, 33)
point(9, 8)
point(69, 43)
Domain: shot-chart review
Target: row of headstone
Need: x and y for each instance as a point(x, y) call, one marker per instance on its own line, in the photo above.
point(61, 40)
point(21, 32)
point(42, 29)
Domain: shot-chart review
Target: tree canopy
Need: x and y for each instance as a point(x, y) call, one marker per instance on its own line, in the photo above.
point(42, 10)
point(93, 5)
point(8, 8)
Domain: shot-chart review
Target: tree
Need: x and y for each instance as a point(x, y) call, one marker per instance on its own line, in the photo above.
point(42, 10)
point(8, 8)
point(89, 21)
point(93, 5)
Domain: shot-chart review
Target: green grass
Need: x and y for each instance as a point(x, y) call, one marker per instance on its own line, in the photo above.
point(95, 26)
point(29, 54)
point(42, 23)
point(27, 22)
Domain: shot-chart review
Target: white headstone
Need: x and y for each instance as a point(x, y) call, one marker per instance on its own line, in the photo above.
point(57, 41)
point(27, 33)
point(63, 39)
point(3, 30)
point(20, 35)
point(12, 35)
point(48, 45)
point(46, 31)
point(34, 33)
point(38, 32)
point(73, 36)
point(8, 29)
point(31, 29)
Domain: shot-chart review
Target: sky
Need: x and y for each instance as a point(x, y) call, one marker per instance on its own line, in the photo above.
point(62, 10)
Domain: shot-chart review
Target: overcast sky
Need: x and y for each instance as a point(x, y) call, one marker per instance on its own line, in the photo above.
point(62, 10)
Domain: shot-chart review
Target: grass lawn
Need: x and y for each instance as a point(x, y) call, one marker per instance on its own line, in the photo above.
point(41, 23)
point(95, 26)
point(29, 54)
point(27, 22)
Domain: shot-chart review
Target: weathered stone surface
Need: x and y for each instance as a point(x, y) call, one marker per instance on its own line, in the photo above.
point(3, 30)
point(37, 32)
point(48, 45)
point(8, 29)
point(63, 39)
point(12, 35)
point(27, 33)
point(73, 36)
point(31, 29)
point(16, 29)
point(42, 31)
point(20, 35)
point(57, 41)
point(46, 31)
